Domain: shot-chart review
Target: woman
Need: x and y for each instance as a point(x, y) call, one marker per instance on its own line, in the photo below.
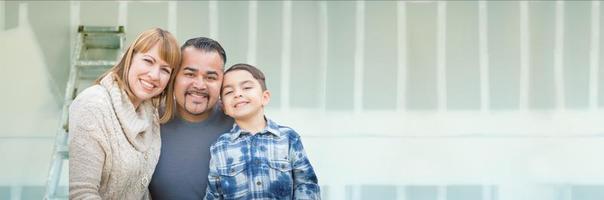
point(114, 125)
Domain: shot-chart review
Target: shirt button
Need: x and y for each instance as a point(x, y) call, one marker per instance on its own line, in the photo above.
point(146, 156)
point(144, 180)
point(258, 183)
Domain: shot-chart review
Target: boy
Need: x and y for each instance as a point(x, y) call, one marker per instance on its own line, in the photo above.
point(257, 159)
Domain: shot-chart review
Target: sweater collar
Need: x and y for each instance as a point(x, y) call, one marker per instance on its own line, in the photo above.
point(136, 124)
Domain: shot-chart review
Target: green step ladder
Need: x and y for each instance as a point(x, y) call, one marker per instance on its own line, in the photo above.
point(96, 50)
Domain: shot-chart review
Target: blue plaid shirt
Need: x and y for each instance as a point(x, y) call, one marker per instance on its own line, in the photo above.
point(270, 164)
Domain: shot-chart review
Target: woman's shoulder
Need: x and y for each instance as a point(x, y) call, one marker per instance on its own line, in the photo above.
point(88, 112)
point(93, 98)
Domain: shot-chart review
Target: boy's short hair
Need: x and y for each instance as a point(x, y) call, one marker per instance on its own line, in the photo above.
point(256, 73)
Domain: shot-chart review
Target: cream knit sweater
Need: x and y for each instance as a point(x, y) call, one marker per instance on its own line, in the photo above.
point(113, 148)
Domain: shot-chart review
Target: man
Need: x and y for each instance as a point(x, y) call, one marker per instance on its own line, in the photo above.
point(182, 170)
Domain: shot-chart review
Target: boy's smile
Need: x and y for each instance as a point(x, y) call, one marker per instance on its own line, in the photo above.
point(240, 104)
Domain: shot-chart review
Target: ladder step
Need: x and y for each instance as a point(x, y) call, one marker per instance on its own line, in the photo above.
point(103, 29)
point(95, 63)
point(102, 40)
point(104, 37)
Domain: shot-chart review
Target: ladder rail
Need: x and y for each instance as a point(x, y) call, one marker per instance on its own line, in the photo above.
point(61, 149)
point(62, 137)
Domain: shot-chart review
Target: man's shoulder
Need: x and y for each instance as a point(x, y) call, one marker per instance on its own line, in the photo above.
point(222, 120)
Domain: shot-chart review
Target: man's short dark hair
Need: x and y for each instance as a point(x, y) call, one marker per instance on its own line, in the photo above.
point(205, 44)
point(256, 73)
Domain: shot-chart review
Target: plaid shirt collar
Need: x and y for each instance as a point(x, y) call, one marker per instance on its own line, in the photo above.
point(271, 128)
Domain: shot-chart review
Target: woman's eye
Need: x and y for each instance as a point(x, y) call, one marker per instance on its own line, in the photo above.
point(166, 70)
point(147, 61)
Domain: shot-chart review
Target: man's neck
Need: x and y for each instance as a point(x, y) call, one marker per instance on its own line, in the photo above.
point(253, 124)
point(194, 118)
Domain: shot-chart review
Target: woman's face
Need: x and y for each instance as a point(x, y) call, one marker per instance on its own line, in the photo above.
point(148, 75)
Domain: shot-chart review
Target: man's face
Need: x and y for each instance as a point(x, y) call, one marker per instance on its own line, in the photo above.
point(198, 83)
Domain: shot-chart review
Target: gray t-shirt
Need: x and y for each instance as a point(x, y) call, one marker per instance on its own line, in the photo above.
point(182, 170)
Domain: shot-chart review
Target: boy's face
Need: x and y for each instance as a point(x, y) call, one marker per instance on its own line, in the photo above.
point(242, 95)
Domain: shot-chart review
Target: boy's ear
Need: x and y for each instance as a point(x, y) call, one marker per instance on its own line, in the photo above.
point(266, 97)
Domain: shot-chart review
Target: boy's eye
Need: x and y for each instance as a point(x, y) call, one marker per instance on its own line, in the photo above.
point(228, 92)
point(247, 88)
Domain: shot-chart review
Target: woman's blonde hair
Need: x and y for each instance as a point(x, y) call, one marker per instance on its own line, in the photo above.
point(169, 51)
